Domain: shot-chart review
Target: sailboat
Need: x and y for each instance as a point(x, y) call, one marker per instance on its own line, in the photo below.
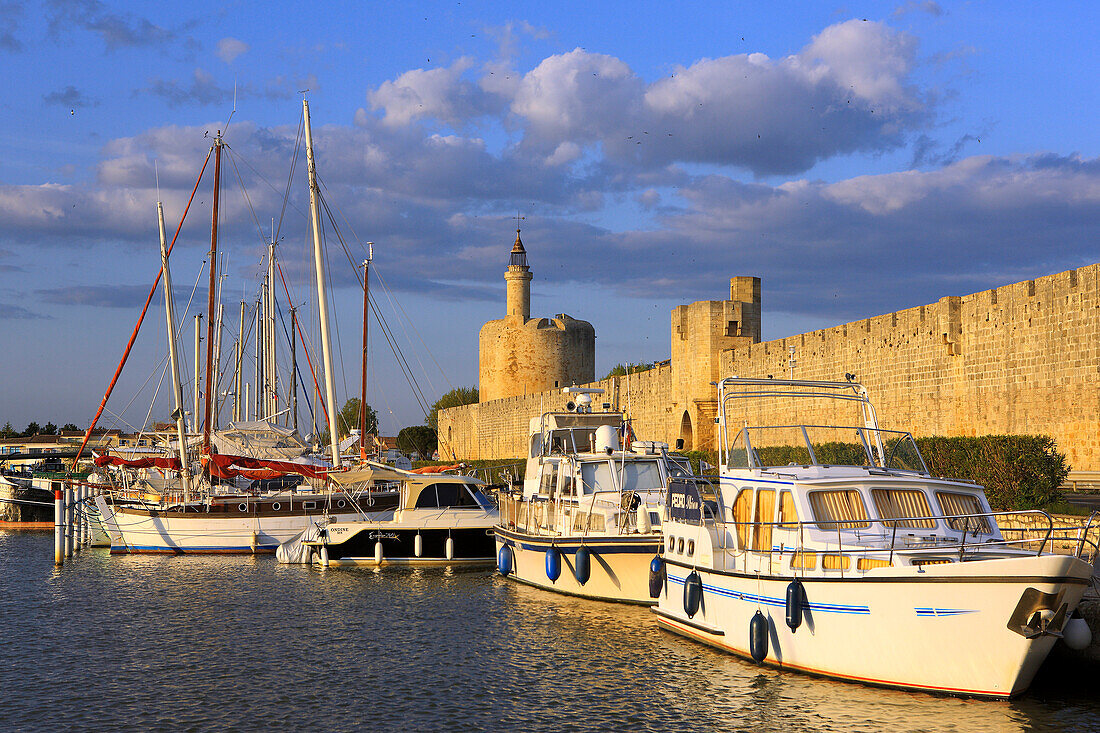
point(192, 515)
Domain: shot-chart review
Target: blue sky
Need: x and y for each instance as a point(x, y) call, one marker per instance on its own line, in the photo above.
point(859, 157)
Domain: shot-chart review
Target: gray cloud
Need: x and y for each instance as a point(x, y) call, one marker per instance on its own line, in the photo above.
point(230, 48)
point(70, 97)
point(116, 30)
point(18, 313)
point(203, 89)
point(11, 17)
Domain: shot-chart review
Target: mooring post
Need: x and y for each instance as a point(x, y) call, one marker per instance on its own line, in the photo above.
point(58, 526)
point(77, 519)
point(83, 505)
point(68, 520)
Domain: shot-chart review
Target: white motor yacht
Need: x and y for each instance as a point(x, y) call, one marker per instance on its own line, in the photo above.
point(832, 550)
point(587, 521)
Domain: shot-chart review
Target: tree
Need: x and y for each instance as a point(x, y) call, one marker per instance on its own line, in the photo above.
point(417, 439)
point(70, 427)
point(32, 429)
point(455, 398)
point(49, 429)
point(620, 370)
point(348, 419)
point(7, 432)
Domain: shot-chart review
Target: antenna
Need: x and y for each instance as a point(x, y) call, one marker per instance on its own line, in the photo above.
point(156, 174)
point(226, 128)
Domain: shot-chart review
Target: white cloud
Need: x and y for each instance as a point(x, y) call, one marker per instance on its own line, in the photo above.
point(230, 48)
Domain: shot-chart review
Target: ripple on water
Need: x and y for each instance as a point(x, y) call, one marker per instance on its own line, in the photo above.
point(227, 643)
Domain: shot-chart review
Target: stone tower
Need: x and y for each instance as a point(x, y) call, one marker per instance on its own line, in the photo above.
point(700, 333)
point(519, 355)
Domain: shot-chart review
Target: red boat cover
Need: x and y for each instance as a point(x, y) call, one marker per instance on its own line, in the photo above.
point(169, 463)
point(220, 465)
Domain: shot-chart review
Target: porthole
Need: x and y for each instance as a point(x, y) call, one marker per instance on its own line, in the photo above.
point(680, 546)
point(242, 507)
point(691, 547)
point(276, 506)
point(671, 544)
point(308, 505)
point(340, 503)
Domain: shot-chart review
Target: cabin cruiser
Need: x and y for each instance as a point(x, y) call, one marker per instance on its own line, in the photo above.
point(832, 550)
point(439, 520)
point(587, 521)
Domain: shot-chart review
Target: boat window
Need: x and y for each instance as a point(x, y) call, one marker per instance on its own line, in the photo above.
point(804, 561)
point(678, 467)
point(841, 509)
point(455, 495)
point(588, 522)
point(427, 498)
point(536, 445)
point(742, 516)
point(788, 515)
point(565, 481)
point(954, 503)
point(870, 563)
point(765, 515)
point(641, 476)
point(549, 478)
point(596, 476)
point(907, 506)
point(832, 561)
point(655, 519)
point(738, 456)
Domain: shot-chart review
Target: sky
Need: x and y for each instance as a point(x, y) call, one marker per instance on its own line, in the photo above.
point(859, 157)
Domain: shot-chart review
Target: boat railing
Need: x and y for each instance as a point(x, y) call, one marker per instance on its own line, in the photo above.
point(878, 536)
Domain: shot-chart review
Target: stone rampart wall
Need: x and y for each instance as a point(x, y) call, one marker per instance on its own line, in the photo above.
point(1022, 359)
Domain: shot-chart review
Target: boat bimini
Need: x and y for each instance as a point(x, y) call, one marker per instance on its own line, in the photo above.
point(587, 521)
point(439, 520)
point(832, 550)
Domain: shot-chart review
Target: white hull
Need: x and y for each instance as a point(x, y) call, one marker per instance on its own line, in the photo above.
point(619, 564)
point(139, 532)
point(943, 629)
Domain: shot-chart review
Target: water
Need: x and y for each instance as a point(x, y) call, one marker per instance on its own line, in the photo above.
point(242, 644)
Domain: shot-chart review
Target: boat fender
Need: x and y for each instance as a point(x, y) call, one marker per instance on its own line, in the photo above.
point(449, 548)
point(418, 545)
point(656, 576)
point(1077, 633)
point(796, 602)
point(378, 552)
point(758, 637)
point(324, 556)
point(693, 594)
point(582, 565)
point(504, 560)
point(553, 564)
point(643, 523)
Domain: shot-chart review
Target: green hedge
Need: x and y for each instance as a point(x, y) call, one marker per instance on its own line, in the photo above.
point(1017, 471)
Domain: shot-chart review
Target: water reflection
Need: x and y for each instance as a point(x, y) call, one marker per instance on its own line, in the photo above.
point(217, 643)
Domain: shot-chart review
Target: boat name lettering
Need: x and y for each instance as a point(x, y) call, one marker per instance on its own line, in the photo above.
point(684, 502)
point(383, 535)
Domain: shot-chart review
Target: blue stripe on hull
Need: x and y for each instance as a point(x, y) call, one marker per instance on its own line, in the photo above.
point(777, 602)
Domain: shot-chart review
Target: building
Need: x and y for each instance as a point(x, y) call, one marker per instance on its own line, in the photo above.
point(1019, 359)
point(521, 355)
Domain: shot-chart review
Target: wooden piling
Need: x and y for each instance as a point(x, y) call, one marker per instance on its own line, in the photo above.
point(58, 526)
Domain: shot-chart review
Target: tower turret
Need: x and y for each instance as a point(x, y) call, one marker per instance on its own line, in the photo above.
point(518, 278)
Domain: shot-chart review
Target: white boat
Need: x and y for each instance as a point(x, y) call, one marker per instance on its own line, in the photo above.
point(832, 550)
point(587, 521)
point(439, 520)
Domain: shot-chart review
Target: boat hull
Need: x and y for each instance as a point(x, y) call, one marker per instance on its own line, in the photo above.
point(135, 530)
point(944, 631)
point(619, 564)
point(471, 546)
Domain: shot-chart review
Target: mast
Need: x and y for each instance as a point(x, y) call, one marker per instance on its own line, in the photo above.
point(177, 389)
point(294, 366)
point(198, 374)
point(258, 394)
point(217, 361)
point(322, 300)
point(366, 313)
point(240, 361)
point(272, 392)
point(212, 293)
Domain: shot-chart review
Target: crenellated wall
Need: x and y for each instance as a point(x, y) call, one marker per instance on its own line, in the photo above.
point(1022, 359)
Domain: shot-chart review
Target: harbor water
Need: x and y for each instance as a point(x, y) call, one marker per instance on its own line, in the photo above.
point(242, 643)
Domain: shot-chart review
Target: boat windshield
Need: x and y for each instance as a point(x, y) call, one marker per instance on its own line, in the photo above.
point(820, 445)
point(641, 476)
point(571, 440)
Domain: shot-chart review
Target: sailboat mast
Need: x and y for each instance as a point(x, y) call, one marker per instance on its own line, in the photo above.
point(366, 321)
point(177, 388)
point(212, 293)
point(269, 340)
point(240, 362)
point(294, 366)
point(198, 374)
point(258, 394)
point(217, 361)
point(322, 300)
